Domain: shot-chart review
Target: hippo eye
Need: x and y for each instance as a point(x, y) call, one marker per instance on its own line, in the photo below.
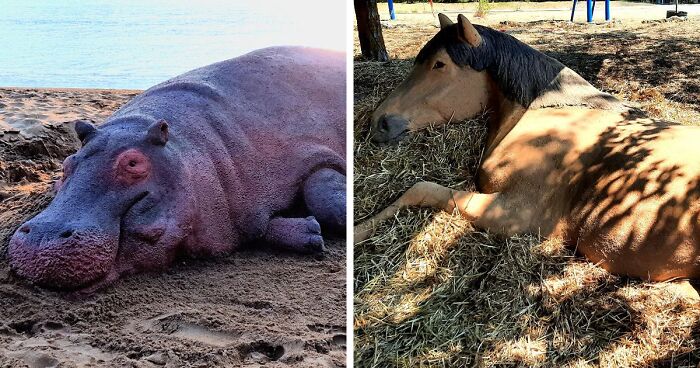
point(132, 166)
point(138, 166)
point(68, 166)
point(438, 64)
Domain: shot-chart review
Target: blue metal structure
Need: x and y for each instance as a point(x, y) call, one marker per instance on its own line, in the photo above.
point(391, 10)
point(590, 7)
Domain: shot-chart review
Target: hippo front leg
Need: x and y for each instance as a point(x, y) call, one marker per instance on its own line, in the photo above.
point(325, 197)
point(301, 235)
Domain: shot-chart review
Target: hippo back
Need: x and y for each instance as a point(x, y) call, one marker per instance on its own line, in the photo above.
point(251, 129)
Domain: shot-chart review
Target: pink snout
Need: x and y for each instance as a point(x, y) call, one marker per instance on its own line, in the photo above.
point(59, 256)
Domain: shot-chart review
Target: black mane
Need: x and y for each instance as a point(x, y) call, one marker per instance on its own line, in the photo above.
point(522, 73)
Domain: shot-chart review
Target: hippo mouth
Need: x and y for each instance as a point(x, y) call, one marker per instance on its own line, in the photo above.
point(56, 256)
point(63, 263)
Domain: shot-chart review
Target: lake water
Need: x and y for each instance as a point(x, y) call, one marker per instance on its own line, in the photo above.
point(136, 44)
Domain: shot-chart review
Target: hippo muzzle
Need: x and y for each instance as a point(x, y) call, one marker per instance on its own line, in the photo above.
point(60, 255)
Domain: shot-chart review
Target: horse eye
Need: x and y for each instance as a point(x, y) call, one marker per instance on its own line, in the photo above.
point(438, 65)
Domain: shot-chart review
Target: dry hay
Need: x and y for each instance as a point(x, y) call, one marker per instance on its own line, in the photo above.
point(430, 290)
point(384, 172)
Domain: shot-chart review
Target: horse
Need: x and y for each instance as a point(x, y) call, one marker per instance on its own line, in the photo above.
point(562, 158)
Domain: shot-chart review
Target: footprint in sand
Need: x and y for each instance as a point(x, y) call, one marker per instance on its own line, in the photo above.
point(173, 325)
point(44, 344)
point(339, 338)
point(36, 359)
point(261, 351)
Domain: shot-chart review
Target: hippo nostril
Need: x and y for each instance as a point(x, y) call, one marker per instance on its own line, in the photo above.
point(25, 229)
point(66, 234)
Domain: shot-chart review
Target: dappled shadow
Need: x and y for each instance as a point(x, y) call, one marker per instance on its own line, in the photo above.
point(630, 192)
point(457, 297)
point(654, 64)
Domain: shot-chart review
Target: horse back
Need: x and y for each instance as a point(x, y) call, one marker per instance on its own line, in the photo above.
point(621, 186)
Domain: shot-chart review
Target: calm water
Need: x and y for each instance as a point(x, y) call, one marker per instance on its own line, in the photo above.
point(136, 44)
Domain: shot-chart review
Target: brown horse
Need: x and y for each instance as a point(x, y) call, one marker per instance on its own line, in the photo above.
point(562, 158)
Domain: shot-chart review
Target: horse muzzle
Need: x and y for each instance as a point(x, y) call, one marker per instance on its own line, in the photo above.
point(389, 129)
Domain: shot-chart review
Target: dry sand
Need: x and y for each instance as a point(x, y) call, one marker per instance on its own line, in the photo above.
point(247, 309)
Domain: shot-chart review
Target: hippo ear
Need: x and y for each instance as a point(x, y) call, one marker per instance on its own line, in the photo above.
point(158, 133)
point(85, 129)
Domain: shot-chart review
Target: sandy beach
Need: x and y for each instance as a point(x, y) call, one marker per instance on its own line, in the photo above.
point(246, 309)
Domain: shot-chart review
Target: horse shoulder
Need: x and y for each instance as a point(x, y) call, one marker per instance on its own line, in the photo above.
point(546, 146)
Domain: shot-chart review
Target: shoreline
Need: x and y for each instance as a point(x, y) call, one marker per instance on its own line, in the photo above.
point(71, 89)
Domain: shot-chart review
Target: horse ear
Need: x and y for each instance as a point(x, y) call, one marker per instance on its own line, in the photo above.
point(467, 32)
point(158, 133)
point(444, 21)
point(84, 129)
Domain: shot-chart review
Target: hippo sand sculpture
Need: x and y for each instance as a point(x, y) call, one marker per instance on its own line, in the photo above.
point(245, 151)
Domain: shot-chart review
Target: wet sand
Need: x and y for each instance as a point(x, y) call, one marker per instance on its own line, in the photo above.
point(246, 309)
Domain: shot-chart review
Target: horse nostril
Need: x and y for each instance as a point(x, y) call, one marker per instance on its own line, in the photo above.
point(384, 124)
point(25, 229)
point(66, 234)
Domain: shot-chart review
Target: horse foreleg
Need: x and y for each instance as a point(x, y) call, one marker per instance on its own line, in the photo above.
point(471, 205)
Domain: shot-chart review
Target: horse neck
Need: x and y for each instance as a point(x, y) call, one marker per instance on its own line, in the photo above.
point(568, 89)
point(504, 114)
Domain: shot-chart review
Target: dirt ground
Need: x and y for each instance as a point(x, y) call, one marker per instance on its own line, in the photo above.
point(246, 309)
point(419, 12)
point(432, 290)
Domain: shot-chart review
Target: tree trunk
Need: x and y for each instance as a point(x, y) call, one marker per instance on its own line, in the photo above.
point(370, 30)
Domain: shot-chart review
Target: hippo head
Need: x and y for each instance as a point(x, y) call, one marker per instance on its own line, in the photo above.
point(119, 208)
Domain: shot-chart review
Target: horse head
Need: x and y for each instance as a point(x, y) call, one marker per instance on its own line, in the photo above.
point(438, 89)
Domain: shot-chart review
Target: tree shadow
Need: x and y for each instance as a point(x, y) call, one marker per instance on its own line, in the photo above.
point(494, 301)
point(608, 59)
